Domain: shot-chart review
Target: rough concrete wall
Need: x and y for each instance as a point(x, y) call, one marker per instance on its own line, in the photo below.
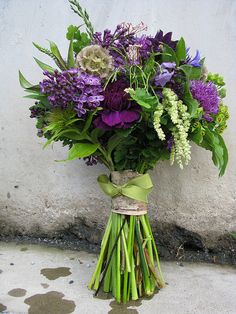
point(39, 196)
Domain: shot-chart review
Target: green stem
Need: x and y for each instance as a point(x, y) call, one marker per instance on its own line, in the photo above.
point(155, 250)
point(97, 271)
point(143, 262)
point(118, 260)
point(113, 261)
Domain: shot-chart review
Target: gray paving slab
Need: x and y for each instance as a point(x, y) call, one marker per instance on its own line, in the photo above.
point(43, 280)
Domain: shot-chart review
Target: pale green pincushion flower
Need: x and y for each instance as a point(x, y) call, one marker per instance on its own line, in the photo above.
point(95, 60)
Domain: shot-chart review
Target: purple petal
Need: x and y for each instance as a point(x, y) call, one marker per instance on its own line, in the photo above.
point(100, 124)
point(168, 65)
point(129, 116)
point(162, 78)
point(111, 118)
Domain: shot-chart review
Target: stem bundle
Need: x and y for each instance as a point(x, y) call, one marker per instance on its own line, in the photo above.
point(127, 263)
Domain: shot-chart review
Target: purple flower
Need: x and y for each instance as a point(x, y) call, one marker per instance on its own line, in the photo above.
point(118, 111)
point(195, 61)
point(206, 94)
point(169, 143)
point(145, 46)
point(162, 78)
point(160, 38)
point(70, 87)
point(91, 160)
point(164, 75)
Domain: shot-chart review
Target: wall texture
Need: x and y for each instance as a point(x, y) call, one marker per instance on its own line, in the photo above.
point(41, 197)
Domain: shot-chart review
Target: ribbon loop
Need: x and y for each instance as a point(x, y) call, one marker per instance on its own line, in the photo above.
point(137, 188)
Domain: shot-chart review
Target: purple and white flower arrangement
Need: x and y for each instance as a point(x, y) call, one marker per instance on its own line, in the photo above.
point(128, 100)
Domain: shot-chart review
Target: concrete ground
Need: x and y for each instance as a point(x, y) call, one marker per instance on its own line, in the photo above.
point(42, 280)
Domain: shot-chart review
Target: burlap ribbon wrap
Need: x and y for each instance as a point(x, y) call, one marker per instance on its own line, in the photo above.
point(129, 191)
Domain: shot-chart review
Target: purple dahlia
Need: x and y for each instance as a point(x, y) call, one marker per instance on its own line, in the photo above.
point(206, 94)
point(118, 111)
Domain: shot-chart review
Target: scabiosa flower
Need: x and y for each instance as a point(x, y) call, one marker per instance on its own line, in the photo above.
point(118, 111)
point(206, 94)
point(95, 60)
point(71, 87)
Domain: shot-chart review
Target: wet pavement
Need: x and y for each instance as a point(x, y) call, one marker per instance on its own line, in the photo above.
point(44, 280)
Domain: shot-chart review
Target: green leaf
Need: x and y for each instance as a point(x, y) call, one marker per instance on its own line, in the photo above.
point(181, 50)
point(214, 142)
point(113, 142)
point(96, 133)
point(23, 82)
point(192, 73)
point(45, 66)
point(191, 103)
point(55, 51)
point(169, 55)
point(71, 30)
point(197, 136)
point(72, 134)
point(150, 65)
point(142, 97)
point(89, 119)
point(225, 154)
point(38, 97)
point(81, 150)
point(70, 57)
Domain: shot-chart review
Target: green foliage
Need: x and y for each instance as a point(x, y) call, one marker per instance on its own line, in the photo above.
point(54, 53)
point(70, 56)
point(81, 150)
point(169, 55)
point(143, 98)
point(192, 73)
point(214, 142)
point(80, 40)
point(23, 82)
point(44, 66)
point(76, 7)
point(140, 150)
point(192, 104)
point(216, 79)
point(27, 85)
point(181, 50)
point(222, 92)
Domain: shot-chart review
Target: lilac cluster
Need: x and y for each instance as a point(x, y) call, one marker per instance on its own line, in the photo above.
point(70, 87)
point(120, 39)
point(206, 94)
point(36, 111)
point(91, 160)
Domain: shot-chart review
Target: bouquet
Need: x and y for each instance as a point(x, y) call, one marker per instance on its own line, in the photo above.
point(128, 100)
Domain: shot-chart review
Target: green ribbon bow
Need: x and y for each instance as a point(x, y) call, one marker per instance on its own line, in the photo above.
point(137, 188)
